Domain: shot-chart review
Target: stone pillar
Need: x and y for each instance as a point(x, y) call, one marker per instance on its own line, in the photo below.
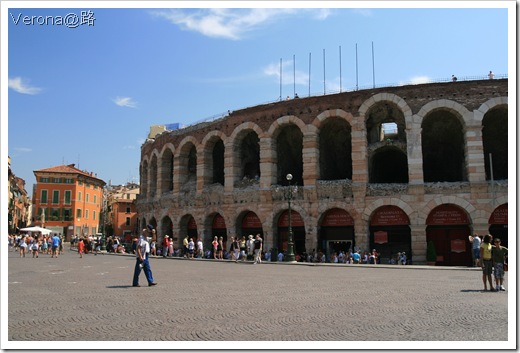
point(361, 233)
point(231, 166)
point(179, 170)
point(419, 243)
point(310, 157)
point(268, 161)
point(359, 152)
point(415, 160)
point(475, 166)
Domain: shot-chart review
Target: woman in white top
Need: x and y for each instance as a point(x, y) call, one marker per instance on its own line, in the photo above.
point(23, 246)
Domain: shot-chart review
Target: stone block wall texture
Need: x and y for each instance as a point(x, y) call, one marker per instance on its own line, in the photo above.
point(469, 101)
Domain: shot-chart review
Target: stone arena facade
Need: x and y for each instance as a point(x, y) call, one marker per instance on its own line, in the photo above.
point(388, 169)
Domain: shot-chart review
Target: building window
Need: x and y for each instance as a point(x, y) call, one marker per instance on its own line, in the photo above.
point(95, 199)
point(55, 214)
point(55, 196)
point(128, 210)
point(127, 221)
point(67, 214)
point(78, 230)
point(68, 195)
point(94, 215)
point(87, 198)
point(86, 214)
point(78, 213)
point(94, 230)
point(79, 196)
point(56, 180)
point(44, 196)
point(44, 180)
point(80, 182)
point(68, 181)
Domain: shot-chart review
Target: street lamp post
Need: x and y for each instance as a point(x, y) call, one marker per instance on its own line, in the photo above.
point(290, 244)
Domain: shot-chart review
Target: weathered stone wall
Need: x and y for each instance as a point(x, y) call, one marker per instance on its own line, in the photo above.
point(469, 101)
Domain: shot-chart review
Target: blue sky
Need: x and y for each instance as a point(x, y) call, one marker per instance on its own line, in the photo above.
point(88, 95)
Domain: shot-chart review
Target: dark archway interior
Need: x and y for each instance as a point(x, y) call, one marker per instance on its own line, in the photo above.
point(388, 165)
point(381, 113)
point(153, 171)
point(290, 159)
point(494, 136)
point(218, 162)
point(250, 156)
point(167, 171)
point(192, 164)
point(335, 150)
point(443, 148)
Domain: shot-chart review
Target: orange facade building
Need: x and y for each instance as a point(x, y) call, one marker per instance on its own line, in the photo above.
point(68, 200)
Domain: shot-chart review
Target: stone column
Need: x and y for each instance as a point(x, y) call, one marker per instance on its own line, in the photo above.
point(179, 170)
point(419, 243)
point(310, 157)
point(359, 152)
point(268, 160)
point(475, 166)
point(415, 160)
point(231, 166)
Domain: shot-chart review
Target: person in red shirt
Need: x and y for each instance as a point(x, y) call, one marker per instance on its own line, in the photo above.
point(81, 248)
point(166, 245)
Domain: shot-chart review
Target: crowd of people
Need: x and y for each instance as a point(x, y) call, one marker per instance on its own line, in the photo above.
point(36, 244)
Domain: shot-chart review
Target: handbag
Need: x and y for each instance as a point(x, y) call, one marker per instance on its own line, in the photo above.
point(505, 267)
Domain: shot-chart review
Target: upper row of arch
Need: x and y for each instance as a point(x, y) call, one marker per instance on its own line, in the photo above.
point(466, 117)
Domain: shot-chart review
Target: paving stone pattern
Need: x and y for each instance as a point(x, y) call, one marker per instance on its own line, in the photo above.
point(92, 299)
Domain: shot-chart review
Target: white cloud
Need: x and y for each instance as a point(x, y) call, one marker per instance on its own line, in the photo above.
point(23, 149)
point(363, 12)
point(125, 102)
point(417, 80)
point(21, 86)
point(289, 75)
point(230, 23)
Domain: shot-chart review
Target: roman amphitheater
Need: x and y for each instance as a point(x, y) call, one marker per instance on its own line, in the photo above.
point(389, 169)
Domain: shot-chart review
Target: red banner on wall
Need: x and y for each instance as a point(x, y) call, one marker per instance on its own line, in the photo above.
point(251, 220)
point(447, 215)
point(381, 237)
point(458, 245)
point(296, 220)
point(499, 215)
point(389, 216)
point(337, 217)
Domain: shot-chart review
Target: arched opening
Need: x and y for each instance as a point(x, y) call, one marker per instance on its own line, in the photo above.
point(335, 150)
point(385, 121)
point(443, 148)
point(218, 229)
point(192, 164)
point(498, 224)
point(390, 234)
point(166, 230)
point(250, 156)
point(289, 147)
point(144, 179)
point(187, 229)
point(167, 171)
point(218, 162)
point(494, 139)
point(188, 166)
point(336, 233)
point(388, 165)
point(448, 228)
point(249, 224)
point(153, 176)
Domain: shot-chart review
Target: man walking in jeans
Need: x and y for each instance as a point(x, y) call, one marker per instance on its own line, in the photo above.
point(143, 250)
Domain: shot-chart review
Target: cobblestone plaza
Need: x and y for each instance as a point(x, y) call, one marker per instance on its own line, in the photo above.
point(205, 303)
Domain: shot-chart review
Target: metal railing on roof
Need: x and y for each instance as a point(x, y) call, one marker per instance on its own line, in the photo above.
point(358, 88)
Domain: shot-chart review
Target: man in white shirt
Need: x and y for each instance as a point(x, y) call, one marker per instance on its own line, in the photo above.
point(142, 252)
point(200, 249)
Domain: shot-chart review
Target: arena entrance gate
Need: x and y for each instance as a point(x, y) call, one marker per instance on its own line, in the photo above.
point(498, 224)
point(390, 234)
point(336, 232)
point(448, 228)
